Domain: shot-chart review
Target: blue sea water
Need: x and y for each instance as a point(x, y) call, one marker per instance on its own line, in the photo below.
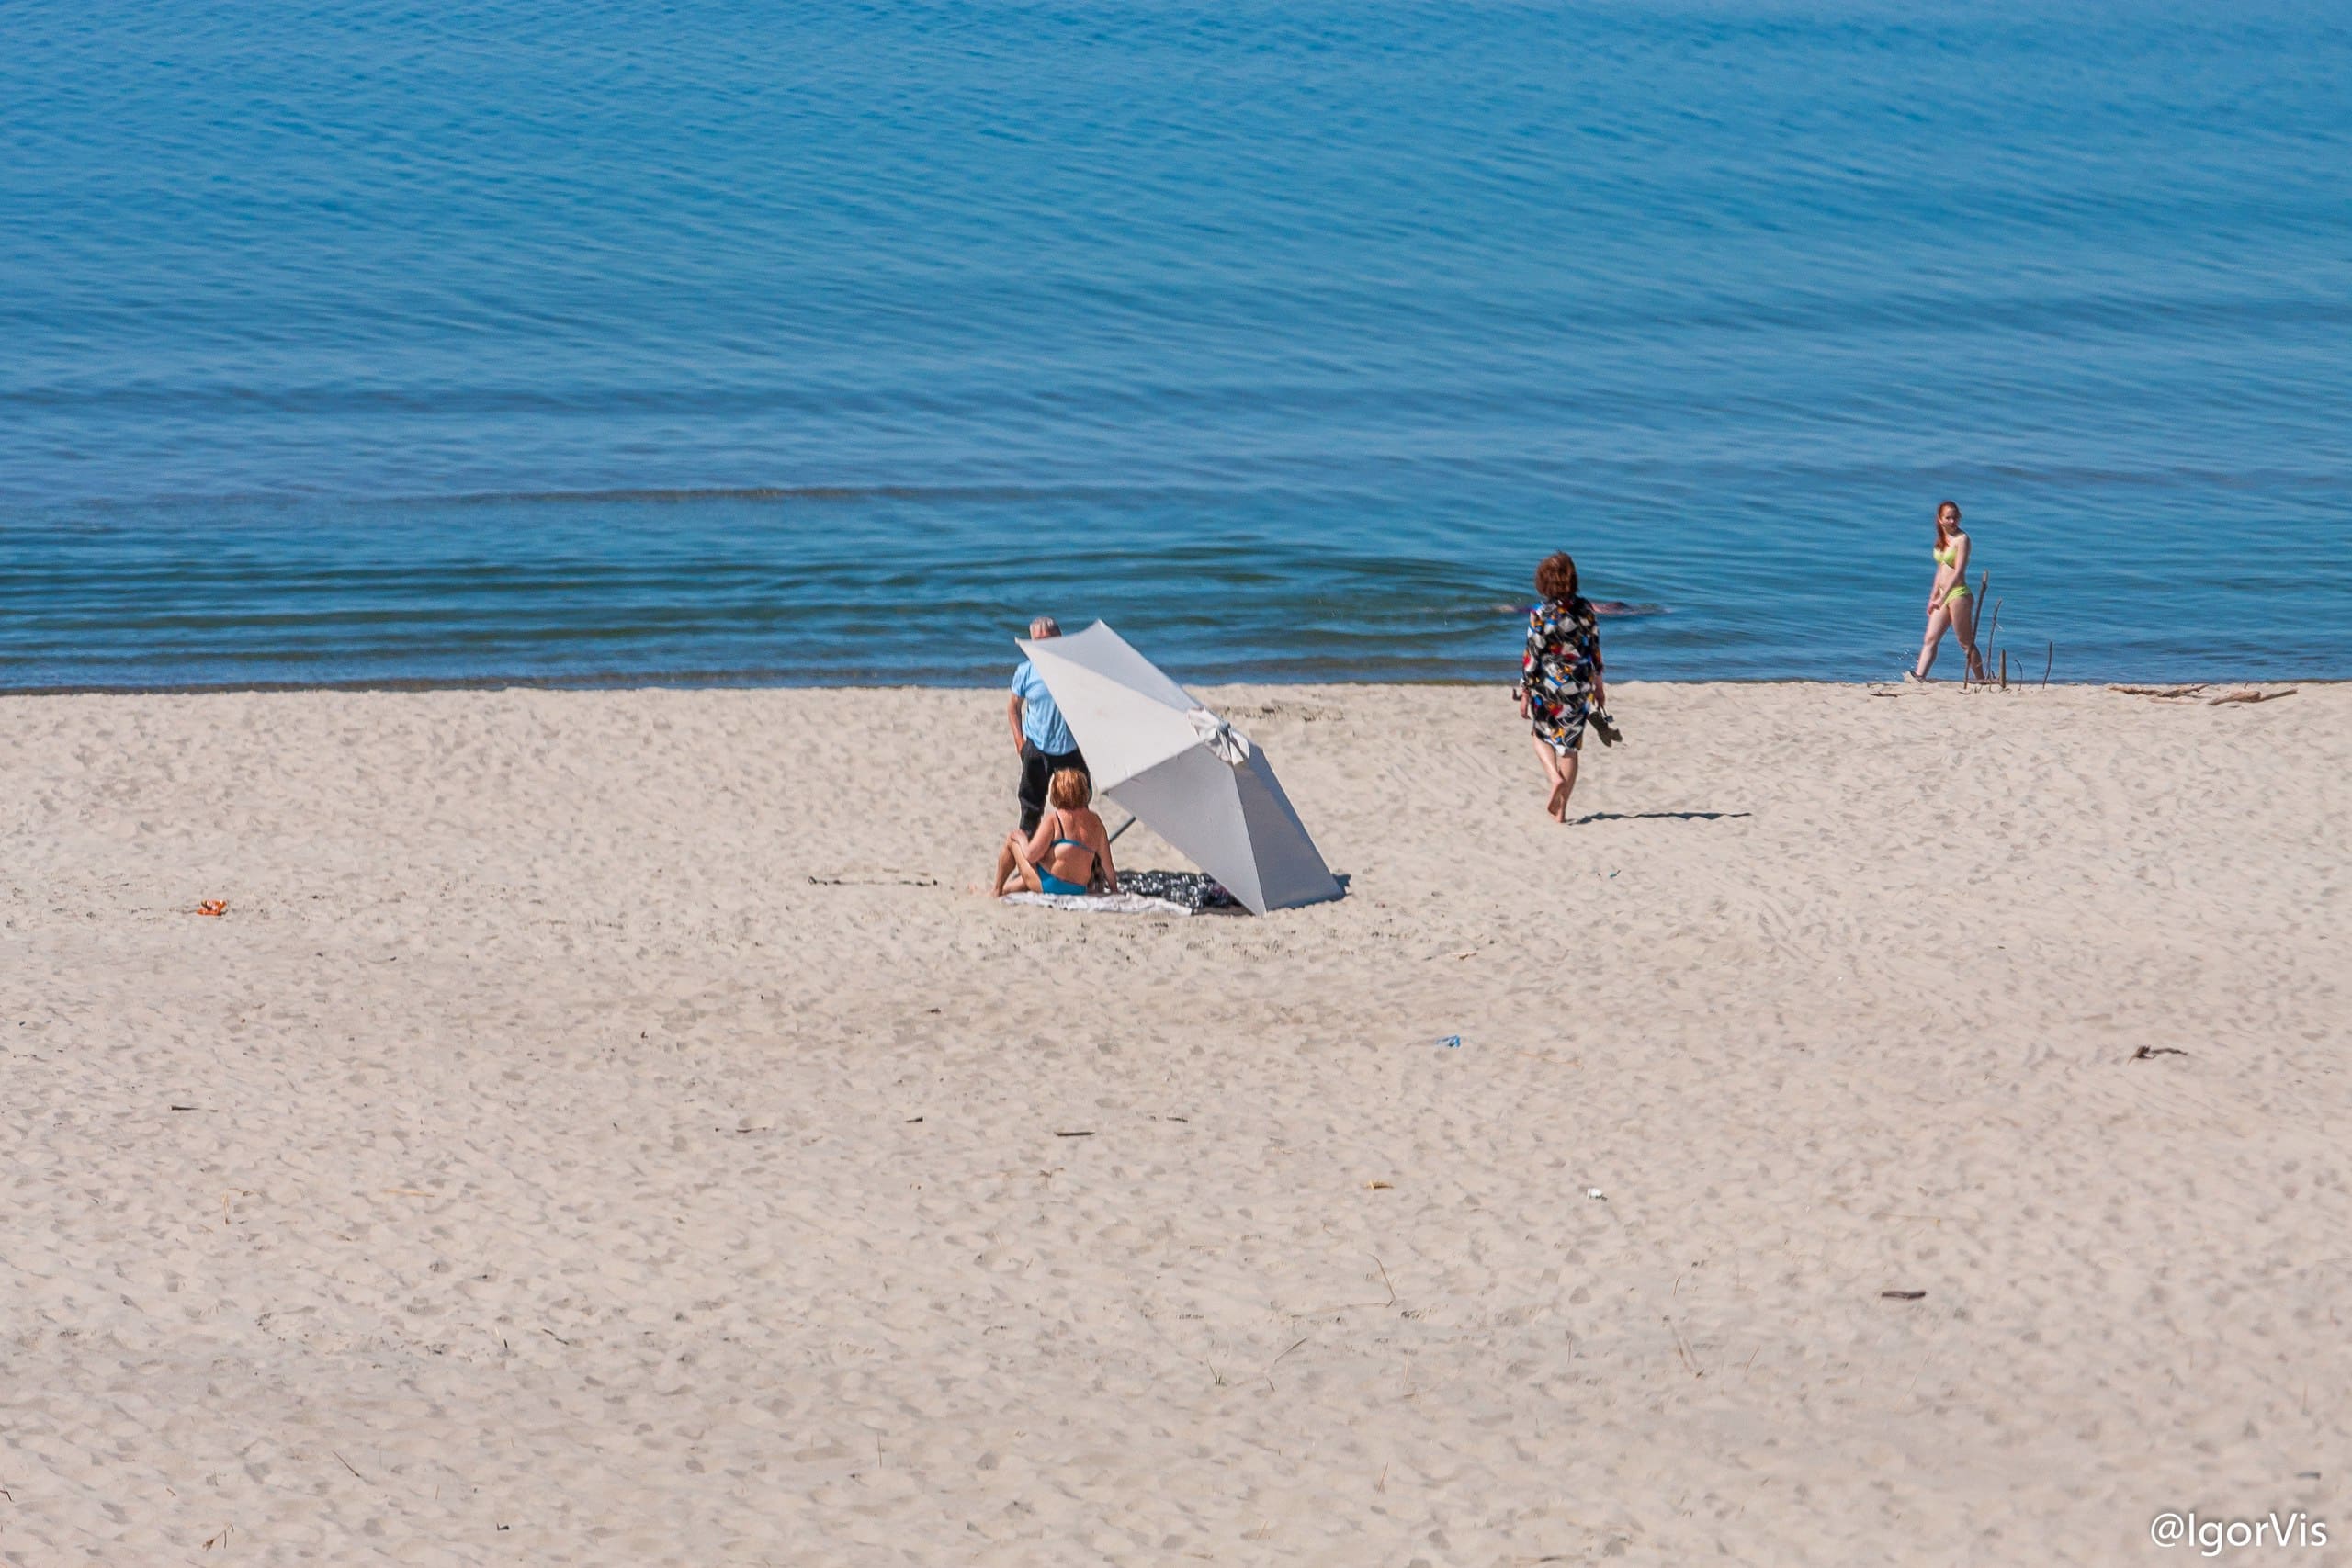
point(486, 339)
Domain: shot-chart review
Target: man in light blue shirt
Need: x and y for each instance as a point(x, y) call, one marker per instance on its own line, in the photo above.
point(1039, 732)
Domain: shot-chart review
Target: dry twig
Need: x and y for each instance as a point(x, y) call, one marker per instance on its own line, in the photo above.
point(1682, 1349)
point(1350, 1306)
point(1269, 1373)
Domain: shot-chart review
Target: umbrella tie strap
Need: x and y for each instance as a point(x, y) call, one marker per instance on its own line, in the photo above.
point(1230, 745)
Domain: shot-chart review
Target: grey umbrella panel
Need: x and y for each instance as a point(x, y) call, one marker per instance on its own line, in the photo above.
point(1193, 799)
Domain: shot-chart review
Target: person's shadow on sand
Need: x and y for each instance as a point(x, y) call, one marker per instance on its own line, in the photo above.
point(1659, 815)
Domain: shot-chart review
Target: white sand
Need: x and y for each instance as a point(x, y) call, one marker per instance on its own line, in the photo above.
point(567, 1178)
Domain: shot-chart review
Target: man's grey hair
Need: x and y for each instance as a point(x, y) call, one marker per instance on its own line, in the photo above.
point(1044, 625)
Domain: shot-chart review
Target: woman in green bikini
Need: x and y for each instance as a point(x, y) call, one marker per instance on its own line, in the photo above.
point(1948, 602)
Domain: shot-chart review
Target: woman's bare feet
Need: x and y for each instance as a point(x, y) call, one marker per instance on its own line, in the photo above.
point(1557, 807)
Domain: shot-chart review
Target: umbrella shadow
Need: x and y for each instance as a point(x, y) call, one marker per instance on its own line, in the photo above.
point(1660, 816)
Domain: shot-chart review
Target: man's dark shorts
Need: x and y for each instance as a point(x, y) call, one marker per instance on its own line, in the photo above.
point(1036, 768)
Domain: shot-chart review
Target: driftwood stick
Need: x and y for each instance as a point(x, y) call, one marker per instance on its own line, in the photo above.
point(2048, 659)
point(2250, 696)
point(1983, 585)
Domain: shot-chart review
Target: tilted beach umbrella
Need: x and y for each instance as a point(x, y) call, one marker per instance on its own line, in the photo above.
point(1197, 781)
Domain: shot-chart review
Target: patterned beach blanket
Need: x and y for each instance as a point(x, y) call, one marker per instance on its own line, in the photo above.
point(1197, 893)
point(1098, 903)
point(1144, 893)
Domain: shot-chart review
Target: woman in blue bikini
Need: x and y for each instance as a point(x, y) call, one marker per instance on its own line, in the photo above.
point(1069, 853)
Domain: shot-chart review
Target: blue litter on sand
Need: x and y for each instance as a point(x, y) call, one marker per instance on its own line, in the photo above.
point(1452, 1042)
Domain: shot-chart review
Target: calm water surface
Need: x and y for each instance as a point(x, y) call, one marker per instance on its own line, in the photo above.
point(485, 340)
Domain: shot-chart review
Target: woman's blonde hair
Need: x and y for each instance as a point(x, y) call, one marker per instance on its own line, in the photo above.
point(1069, 788)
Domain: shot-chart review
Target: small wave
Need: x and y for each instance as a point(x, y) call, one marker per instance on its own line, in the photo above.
point(664, 495)
point(687, 495)
point(1615, 608)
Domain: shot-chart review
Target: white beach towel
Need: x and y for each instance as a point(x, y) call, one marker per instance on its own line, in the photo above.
point(1098, 903)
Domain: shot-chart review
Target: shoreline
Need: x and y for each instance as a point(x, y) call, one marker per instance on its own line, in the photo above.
point(1466, 683)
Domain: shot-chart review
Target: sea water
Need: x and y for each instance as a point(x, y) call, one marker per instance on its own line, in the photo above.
point(487, 341)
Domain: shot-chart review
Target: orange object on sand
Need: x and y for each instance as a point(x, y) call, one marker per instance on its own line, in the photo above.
point(212, 907)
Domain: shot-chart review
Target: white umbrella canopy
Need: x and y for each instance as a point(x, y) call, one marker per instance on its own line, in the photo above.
point(1197, 782)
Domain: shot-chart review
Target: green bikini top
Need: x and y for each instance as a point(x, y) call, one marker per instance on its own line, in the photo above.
point(1947, 557)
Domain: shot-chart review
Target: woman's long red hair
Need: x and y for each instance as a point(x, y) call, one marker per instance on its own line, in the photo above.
point(1940, 535)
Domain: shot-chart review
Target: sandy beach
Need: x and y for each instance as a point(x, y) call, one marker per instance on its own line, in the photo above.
point(1890, 1126)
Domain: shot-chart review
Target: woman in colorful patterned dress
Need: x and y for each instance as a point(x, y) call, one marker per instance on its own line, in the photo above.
point(1560, 680)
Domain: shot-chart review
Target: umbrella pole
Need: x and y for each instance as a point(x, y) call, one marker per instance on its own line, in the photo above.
point(1120, 828)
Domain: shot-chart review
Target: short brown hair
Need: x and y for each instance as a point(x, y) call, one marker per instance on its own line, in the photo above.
point(1557, 578)
point(1069, 788)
